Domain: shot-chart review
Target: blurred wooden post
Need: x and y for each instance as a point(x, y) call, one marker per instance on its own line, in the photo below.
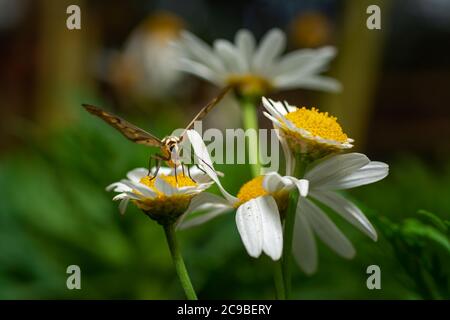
point(62, 63)
point(357, 66)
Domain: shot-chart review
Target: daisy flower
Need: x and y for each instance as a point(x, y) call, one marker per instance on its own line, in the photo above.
point(334, 173)
point(256, 70)
point(163, 198)
point(307, 131)
point(258, 211)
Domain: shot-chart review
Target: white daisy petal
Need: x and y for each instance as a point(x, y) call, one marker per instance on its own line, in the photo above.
point(321, 58)
point(347, 210)
point(234, 62)
point(165, 171)
point(275, 109)
point(201, 52)
point(212, 205)
point(214, 211)
point(294, 60)
point(309, 82)
point(370, 173)
point(245, 43)
point(326, 230)
point(315, 64)
point(165, 188)
point(249, 225)
point(123, 205)
point(120, 196)
point(275, 121)
point(302, 186)
point(199, 70)
point(137, 174)
point(274, 182)
point(271, 227)
point(126, 194)
point(289, 157)
point(201, 152)
point(304, 247)
point(272, 44)
point(191, 189)
point(334, 168)
point(134, 196)
point(118, 187)
point(279, 110)
point(289, 107)
point(205, 198)
point(143, 189)
point(199, 176)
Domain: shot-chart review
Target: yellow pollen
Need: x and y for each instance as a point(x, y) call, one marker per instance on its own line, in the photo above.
point(251, 190)
point(254, 189)
point(182, 180)
point(319, 124)
point(250, 84)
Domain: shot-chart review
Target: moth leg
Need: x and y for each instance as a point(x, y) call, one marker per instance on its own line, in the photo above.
point(158, 166)
point(206, 165)
point(189, 173)
point(149, 165)
point(182, 169)
point(176, 177)
point(198, 167)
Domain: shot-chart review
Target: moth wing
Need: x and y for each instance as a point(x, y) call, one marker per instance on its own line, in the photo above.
point(129, 130)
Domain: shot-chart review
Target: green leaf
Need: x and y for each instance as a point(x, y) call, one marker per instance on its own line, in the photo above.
point(415, 228)
point(434, 219)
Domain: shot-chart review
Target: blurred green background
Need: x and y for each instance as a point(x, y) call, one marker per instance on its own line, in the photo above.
point(55, 159)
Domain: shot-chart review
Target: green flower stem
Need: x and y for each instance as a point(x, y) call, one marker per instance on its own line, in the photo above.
point(300, 166)
point(287, 246)
point(250, 115)
point(279, 281)
point(178, 262)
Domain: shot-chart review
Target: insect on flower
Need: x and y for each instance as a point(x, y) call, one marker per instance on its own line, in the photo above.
point(169, 145)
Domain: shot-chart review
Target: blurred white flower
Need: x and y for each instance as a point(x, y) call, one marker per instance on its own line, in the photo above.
point(338, 172)
point(256, 70)
point(146, 66)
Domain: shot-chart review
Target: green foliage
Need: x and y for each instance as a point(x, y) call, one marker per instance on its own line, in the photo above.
point(422, 247)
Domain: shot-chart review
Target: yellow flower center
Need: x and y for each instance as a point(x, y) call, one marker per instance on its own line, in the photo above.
point(164, 26)
point(162, 207)
point(251, 190)
point(250, 84)
point(179, 181)
point(319, 124)
point(254, 189)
